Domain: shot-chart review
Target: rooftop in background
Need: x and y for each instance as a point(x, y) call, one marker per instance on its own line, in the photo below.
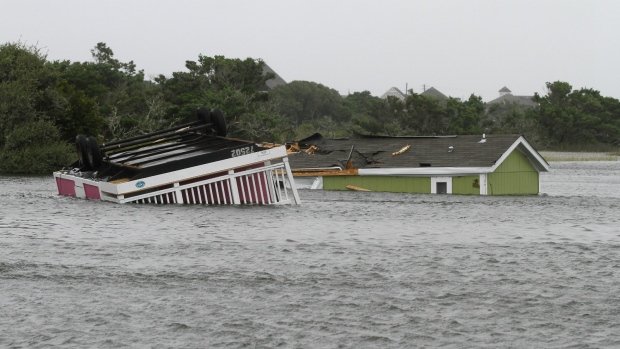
point(394, 92)
point(272, 83)
point(506, 97)
point(433, 93)
point(430, 92)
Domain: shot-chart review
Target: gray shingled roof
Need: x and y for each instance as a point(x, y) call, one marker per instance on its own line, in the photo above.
point(434, 93)
point(520, 100)
point(272, 83)
point(393, 91)
point(376, 152)
point(505, 89)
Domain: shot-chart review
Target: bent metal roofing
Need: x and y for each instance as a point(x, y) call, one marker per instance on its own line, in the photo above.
point(439, 151)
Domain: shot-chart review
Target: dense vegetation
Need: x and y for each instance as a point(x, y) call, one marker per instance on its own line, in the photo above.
point(44, 105)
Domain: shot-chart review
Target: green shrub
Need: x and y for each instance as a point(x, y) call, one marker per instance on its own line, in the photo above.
point(42, 159)
point(34, 148)
point(32, 134)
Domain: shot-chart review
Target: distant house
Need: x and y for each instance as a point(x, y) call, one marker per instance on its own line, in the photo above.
point(394, 92)
point(434, 93)
point(271, 83)
point(506, 97)
point(430, 92)
point(469, 165)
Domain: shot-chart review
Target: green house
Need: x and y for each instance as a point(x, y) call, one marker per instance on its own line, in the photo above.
point(467, 165)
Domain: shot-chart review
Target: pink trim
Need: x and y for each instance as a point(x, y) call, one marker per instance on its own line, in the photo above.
point(65, 186)
point(92, 192)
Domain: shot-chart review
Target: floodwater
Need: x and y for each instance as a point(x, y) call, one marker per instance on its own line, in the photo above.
point(343, 270)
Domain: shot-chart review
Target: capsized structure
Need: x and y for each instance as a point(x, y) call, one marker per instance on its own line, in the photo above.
point(192, 163)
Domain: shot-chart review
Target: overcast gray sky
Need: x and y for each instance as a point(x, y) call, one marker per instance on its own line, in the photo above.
point(458, 47)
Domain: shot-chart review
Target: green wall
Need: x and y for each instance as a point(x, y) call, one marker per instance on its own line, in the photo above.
point(420, 185)
point(465, 185)
point(515, 176)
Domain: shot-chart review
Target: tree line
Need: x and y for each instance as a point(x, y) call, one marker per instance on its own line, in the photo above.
point(45, 104)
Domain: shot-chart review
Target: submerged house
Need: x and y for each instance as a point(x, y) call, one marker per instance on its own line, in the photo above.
point(470, 164)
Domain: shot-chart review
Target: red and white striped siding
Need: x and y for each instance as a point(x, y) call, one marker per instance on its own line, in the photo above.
point(261, 183)
point(251, 186)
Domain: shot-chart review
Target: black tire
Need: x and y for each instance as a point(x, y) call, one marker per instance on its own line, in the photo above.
point(93, 153)
point(219, 124)
point(203, 115)
point(81, 147)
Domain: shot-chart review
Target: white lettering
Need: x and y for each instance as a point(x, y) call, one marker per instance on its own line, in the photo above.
point(240, 151)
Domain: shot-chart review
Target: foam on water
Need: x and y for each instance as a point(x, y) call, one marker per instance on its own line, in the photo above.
point(345, 269)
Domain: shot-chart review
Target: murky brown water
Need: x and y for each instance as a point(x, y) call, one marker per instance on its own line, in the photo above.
point(345, 269)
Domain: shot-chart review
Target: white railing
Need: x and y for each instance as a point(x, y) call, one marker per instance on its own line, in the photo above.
point(263, 186)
